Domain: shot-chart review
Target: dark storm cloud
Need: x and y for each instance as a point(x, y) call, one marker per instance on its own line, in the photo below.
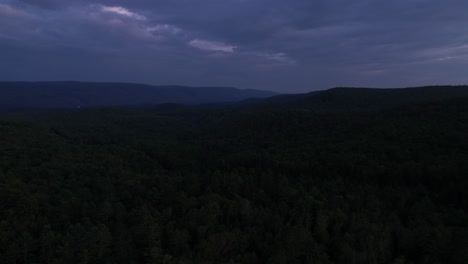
point(280, 45)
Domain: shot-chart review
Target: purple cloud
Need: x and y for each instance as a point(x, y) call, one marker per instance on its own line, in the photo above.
point(286, 46)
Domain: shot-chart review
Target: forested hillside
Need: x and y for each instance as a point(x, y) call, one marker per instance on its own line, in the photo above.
point(236, 184)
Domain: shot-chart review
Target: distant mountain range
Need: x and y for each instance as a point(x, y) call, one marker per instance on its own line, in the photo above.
point(88, 94)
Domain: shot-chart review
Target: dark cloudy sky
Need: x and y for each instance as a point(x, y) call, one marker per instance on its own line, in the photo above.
point(280, 45)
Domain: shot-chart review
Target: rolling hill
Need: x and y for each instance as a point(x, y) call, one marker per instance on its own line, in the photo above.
point(364, 98)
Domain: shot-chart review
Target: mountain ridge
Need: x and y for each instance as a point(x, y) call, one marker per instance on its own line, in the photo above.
point(341, 98)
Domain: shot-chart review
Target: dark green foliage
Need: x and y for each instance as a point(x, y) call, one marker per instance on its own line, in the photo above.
point(178, 184)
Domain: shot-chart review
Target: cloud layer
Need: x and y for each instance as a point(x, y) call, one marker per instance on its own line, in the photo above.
point(287, 46)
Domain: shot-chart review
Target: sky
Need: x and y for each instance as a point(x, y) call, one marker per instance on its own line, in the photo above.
point(284, 46)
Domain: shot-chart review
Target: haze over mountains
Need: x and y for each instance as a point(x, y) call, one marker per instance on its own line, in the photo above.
point(88, 94)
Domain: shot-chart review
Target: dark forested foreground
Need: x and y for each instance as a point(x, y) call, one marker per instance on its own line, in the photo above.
point(236, 184)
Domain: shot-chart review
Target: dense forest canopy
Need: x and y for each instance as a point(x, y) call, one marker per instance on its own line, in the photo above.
point(283, 180)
